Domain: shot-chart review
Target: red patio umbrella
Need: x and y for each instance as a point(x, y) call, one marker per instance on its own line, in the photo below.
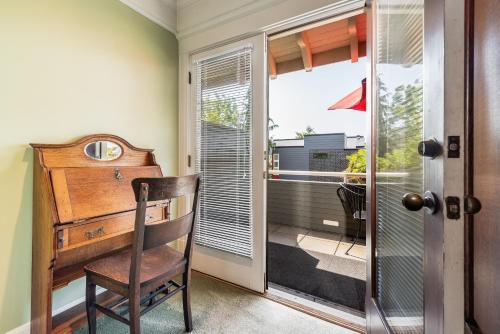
point(355, 100)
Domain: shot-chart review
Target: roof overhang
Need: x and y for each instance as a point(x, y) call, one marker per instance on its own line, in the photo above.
point(316, 45)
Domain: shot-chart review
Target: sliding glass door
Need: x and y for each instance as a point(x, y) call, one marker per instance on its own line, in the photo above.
point(228, 113)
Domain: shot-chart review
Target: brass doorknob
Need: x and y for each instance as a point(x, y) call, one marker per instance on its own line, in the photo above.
point(471, 205)
point(415, 202)
point(430, 148)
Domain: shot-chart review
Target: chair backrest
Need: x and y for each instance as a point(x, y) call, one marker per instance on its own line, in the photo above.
point(158, 189)
point(353, 198)
point(147, 236)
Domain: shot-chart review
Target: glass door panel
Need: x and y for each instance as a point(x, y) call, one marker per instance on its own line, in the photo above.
point(398, 101)
point(228, 117)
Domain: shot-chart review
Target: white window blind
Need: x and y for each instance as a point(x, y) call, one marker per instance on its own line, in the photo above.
point(223, 86)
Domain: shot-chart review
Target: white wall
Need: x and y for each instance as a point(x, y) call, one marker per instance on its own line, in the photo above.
point(162, 12)
point(69, 69)
point(201, 23)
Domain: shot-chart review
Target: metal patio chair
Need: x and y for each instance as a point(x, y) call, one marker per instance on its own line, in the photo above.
point(353, 199)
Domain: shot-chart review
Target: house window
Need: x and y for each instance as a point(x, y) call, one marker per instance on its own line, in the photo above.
point(276, 161)
point(321, 155)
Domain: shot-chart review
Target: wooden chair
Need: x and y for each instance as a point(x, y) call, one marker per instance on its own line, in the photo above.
point(143, 275)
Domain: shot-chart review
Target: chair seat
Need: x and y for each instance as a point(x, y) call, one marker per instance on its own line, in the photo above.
point(157, 262)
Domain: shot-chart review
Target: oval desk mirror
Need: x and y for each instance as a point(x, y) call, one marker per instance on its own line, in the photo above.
point(103, 150)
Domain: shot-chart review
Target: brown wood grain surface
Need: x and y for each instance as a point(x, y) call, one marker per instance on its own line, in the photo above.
point(77, 235)
point(68, 187)
point(486, 114)
point(43, 251)
point(149, 264)
point(83, 193)
point(73, 155)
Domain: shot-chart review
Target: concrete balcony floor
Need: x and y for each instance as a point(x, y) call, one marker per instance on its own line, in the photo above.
point(315, 263)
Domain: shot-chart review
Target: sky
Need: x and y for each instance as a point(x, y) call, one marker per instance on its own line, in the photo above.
point(298, 99)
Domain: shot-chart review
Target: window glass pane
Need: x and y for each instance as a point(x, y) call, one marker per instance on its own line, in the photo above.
point(398, 103)
point(224, 152)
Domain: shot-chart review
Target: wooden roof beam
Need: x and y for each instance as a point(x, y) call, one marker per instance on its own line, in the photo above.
point(273, 70)
point(353, 35)
point(305, 50)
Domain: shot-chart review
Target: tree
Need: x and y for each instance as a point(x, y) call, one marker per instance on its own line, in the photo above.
point(226, 111)
point(383, 112)
point(403, 129)
point(300, 134)
point(357, 162)
point(220, 111)
point(271, 126)
point(399, 130)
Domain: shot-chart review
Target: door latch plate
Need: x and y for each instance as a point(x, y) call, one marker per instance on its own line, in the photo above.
point(452, 207)
point(453, 146)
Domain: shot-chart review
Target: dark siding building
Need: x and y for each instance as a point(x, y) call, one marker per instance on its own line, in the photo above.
point(293, 158)
point(320, 152)
point(330, 141)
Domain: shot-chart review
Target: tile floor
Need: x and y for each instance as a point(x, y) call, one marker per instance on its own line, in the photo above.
point(328, 248)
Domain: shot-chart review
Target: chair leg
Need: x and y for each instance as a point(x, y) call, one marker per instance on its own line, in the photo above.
point(135, 315)
point(90, 300)
point(186, 300)
point(152, 300)
point(356, 238)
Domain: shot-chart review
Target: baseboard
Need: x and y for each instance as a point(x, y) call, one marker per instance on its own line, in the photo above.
point(25, 329)
point(74, 303)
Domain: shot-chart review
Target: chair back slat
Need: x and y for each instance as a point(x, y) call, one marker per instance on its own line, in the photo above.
point(341, 193)
point(167, 231)
point(159, 234)
point(353, 198)
point(166, 188)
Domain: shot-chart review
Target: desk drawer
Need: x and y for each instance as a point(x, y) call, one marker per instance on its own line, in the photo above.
point(81, 242)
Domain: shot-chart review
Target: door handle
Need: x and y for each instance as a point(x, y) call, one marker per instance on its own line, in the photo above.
point(471, 205)
point(430, 148)
point(415, 202)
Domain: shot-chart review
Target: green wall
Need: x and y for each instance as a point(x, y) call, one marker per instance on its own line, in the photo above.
point(70, 68)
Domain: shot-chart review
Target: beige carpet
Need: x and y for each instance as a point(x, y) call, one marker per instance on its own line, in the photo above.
point(222, 308)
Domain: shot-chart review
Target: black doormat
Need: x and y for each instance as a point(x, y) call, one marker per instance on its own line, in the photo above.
point(295, 268)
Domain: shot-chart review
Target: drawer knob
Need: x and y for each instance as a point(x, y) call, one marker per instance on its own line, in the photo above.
point(95, 233)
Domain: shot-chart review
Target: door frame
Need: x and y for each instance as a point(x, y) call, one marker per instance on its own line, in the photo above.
point(185, 154)
point(280, 29)
point(471, 325)
point(469, 166)
point(454, 291)
point(434, 14)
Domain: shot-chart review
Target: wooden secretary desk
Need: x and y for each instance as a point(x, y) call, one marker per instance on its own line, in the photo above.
point(83, 209)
